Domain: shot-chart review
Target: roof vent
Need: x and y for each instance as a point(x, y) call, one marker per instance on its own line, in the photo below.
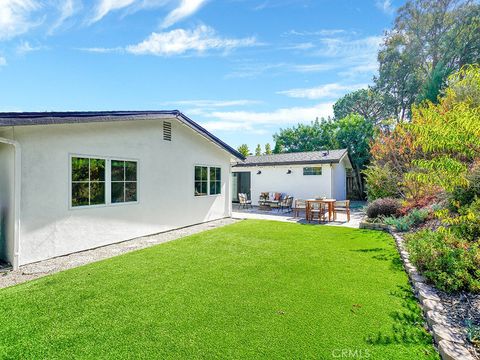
point(167, 131)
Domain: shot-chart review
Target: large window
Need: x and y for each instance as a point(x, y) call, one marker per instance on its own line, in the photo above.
point(312, 171)
point(124, 181)
point(201, 180)
point(208, 180)
point(88, 181)
point(215, 181)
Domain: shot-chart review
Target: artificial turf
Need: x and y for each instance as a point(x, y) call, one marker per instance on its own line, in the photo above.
point(255, 289)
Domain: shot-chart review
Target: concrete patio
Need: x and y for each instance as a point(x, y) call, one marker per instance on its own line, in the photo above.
point(356, 216)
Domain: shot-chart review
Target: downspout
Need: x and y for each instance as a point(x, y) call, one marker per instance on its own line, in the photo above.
point(17, 192)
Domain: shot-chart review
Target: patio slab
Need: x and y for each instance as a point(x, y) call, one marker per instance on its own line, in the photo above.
point(356, 216)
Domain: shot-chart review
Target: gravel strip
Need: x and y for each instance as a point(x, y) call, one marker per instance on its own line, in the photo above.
point(460, 308)
point(51, 266)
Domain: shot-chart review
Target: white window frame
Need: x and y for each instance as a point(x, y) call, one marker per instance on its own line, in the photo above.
point(108, 182)
point(208, 180)
point(312, 167)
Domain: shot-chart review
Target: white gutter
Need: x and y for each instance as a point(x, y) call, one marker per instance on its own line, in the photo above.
point(17, 193)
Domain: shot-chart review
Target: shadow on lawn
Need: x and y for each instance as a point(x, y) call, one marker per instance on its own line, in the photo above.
point(408, 322)
point(408, 325)
point(384, 254)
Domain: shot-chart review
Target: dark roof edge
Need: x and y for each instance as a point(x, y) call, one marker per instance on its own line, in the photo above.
point(202, 131)
point(96, 116)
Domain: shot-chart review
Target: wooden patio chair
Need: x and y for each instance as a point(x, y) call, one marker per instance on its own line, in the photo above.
point(319, 210)
point(343, 207)
point(300, 205)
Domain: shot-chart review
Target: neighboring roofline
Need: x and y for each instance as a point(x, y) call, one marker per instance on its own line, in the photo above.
point(55, 118)
point(304, 162)
point(298, 162)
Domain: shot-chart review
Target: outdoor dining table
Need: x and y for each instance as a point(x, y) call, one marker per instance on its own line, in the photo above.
point(330, 204)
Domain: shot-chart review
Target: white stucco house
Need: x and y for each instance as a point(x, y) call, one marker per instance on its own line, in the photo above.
point(79, 180)
point(302, 175)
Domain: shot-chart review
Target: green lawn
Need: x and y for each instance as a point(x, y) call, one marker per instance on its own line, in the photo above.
point(255, 289)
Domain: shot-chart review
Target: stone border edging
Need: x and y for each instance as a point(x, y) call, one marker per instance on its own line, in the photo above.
point(449, 342)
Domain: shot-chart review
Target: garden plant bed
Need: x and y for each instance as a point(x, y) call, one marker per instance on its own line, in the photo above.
point(446, 314)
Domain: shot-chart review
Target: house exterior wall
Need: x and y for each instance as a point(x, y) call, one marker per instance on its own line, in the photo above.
point(50, 227)
point(339, 180)
point(276, 179)
point(7, 156)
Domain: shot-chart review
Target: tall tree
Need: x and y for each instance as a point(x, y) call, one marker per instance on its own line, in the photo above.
point(430, 39)
point(367, 103)
point(268, 149)
point(258, 150)
point(244, 150)
point(306, 137)
point(355, 133)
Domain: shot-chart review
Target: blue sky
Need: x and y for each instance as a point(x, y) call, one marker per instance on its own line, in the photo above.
point(241, 68)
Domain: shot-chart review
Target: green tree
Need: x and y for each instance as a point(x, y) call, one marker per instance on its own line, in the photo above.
point(258, 150)
point(268, 149)
point(365, 102)
point(355, 133)
point(430, 39)
point(306, 137)
point(244, 150)
point(448, 134)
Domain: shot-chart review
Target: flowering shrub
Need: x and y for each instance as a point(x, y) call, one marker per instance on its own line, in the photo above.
point(451, 263)
point(383, 207)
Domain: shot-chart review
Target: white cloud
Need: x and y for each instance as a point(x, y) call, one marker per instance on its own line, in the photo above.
point(386, 6)
point(322, 32)
point(3, 61)
point(106, 6)
point(309, 68)
point(292, 115)
point(25, 47)
point(16, 17)
point(337, 47)
point(250, 68)
point(181, 41)
point(300, 46)
point(185, 9)
point(66, 8)
point(101, 50)
point(333, 90)
point(213, 103)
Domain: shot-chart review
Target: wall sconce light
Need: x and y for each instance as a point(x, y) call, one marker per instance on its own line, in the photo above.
point(289, 171)
point(259, 172)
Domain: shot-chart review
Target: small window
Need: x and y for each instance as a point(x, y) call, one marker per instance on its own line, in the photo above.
point(201, 180)
point(312, 171)
point(167, 131)
point(88, 181)
point(215, 181)
point(124, 181)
